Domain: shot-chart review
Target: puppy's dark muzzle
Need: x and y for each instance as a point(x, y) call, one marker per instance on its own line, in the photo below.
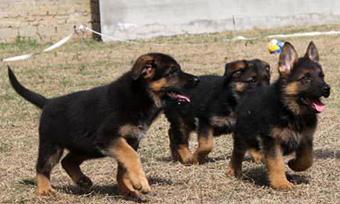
point(326, 90)
point(195, 81)
point(191, 80)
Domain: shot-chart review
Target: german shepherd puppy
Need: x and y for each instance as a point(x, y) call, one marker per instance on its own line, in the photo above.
point(281, 119)
point(108, 120)
point(211, 111)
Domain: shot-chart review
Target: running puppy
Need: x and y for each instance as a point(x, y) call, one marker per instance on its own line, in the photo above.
point(108, 120)
point(211, 111)
point(281, 119)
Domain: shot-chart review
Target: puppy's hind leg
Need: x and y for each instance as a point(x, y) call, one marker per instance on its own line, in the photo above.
point(179, 144)
point(71, 163)
point(49, 156)
point(238, 153)
point(205, 144)
point(257, 155)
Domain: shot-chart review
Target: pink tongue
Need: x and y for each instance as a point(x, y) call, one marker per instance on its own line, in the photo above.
point(318, 106)
point(183, 98)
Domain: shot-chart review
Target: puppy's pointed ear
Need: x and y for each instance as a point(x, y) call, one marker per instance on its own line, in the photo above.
point(233, 69)
point(312, 52)
point(143, 67)
point(287, 59)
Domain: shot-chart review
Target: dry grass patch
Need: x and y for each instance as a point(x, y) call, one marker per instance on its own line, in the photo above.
point(78, 66)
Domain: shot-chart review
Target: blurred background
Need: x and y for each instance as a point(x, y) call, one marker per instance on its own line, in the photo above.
point(47, 20)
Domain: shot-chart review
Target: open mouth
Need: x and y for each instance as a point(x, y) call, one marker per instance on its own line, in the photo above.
point(316, 104)
point(178, 97)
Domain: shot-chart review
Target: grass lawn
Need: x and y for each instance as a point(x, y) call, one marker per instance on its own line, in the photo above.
point(82, 65)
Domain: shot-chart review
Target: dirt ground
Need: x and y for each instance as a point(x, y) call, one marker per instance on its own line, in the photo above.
point(82, 65)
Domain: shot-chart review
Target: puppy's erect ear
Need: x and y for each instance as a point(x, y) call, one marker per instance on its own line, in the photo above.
point(234, 68)
point(143, 67)
point(287, 58)
point(312, 52)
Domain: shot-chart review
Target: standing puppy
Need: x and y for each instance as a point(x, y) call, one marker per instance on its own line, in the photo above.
point(105, 121)
point(281, 119)
point(211, 111)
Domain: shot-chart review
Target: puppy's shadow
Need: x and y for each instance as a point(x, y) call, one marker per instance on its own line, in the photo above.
point(164, 159)
point(227, 158)
point(326, 154)
point(258, 176)
point(208, 160)
point(111, 189)
point(218, 158)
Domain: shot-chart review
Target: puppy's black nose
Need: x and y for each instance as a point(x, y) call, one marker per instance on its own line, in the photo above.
point(326, 89)
point(195, 80)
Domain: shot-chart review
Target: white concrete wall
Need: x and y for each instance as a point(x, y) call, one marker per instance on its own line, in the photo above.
point(131, 19)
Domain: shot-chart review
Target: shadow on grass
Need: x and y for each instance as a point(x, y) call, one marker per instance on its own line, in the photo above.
point(28, 182)
point(111, 190)
point(258, 176)
point(164, 159)
point(160, 181)
point(223, 157)
point(207, 160)
point(327, 154)
point(105, 190)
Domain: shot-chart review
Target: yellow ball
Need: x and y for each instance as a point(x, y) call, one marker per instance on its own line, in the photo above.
point(275, 46)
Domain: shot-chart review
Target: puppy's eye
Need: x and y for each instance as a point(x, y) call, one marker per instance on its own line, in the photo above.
point(252, 80)
point(173, 72)
point(306, 78)
point(267, 68)
point(237, 74)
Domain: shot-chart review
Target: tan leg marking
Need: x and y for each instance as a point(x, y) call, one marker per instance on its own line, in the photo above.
point(124, 183)
point(130, 160)
point(276, 170)
point(205, 146)
point(44, 187)
point(185, 156)
point(180, 150)
point(257, 155)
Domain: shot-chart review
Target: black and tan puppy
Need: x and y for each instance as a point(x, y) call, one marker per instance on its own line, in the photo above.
point(211, 111)
point(105, 121)
point(281, 119)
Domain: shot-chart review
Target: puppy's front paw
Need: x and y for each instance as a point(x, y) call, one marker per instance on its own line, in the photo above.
point(84, 182)
point(282, 184)
point(233, 173)
point(45, 191)
point(139, 181)
point(199, 158)
point(185, 156)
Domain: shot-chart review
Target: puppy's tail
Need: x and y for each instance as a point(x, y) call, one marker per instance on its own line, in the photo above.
point(30, 96)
